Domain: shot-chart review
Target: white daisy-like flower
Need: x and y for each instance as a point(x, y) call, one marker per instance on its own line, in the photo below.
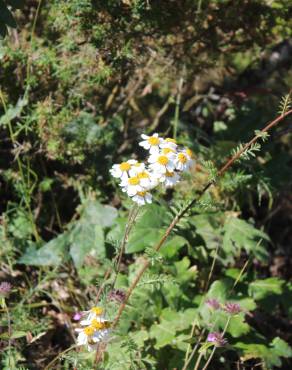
point(170, 179)
point(146, 180)
point(95, 313)
point(136, 167)
point(151, 143)
point(142, 197)
point(121, 170)
point(183, 161)
point(161, 163)
point(132, 185)
point(168, 143)
point(91, 335)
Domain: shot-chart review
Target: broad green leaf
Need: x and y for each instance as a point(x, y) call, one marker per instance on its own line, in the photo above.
point(99, 214)
point(86, 238)
point(241, 235)
point(260, 289)
point(209, 228)
point(139, 337)
point(281, 348)
point(183, 271)
point(148, 229)
point(260, 351)
point(171, 247)
point(237, 326)
point(270, 354)
point(220, 289)
point(163, 333)
point(171, 323)
point(50, 254)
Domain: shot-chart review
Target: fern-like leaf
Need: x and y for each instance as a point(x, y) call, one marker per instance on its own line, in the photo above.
point(286, 103)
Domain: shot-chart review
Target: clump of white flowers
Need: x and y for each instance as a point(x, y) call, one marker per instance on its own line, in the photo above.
point(94, 328)
point(164, 166)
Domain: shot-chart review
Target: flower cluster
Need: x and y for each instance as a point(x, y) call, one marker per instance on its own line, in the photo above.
point(164, 165)
point(229, 307)
point(95, 328)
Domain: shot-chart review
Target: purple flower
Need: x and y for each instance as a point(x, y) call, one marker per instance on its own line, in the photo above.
point(213, 303)
point(217, 339)
point(5, 288)
point(77, 316)
point(117, 295)
point(232, 308)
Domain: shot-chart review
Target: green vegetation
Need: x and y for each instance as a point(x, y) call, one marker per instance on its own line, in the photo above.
point(80, 81)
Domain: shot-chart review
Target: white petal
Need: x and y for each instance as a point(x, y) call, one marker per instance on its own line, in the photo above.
point(145, 145)
point(154, 149)
point(132, 161)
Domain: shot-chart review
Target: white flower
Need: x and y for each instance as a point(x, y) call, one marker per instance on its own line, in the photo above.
point(93, 334)
point(161, 163)
point(132, 185)
point(183, 160)
point(136, 167)
point(151, 143)
point(146, 180)
point(121, 170)
point(95, 313)
point(142, 197)
point(168, 143)
point(170, 179)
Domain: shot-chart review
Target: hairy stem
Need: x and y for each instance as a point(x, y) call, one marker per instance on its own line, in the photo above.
point(118, 258)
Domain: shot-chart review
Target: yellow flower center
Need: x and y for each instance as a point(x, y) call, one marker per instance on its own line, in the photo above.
point(189, 153)
point(141, 193)
point(163, 160)
point(169, 174)
point(167, 150)
point(124, 166)
point(97, 310)
point(182, 158)
point(138, 164)
point(170, 140)
point(89, 331)
point(97, 325)
point(143, 175)
point(133, 181)
point(153, 140)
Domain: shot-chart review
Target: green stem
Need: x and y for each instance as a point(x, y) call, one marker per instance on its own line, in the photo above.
point(214, 349)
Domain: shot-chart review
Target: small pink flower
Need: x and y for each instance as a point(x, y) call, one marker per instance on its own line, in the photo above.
point(117, 295)
point(217, 339)
point(232, 308)
point(213, 303)
point(5, 288)
point(77, 316)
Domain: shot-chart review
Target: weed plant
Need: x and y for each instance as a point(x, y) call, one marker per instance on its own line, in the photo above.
point(200, 277)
